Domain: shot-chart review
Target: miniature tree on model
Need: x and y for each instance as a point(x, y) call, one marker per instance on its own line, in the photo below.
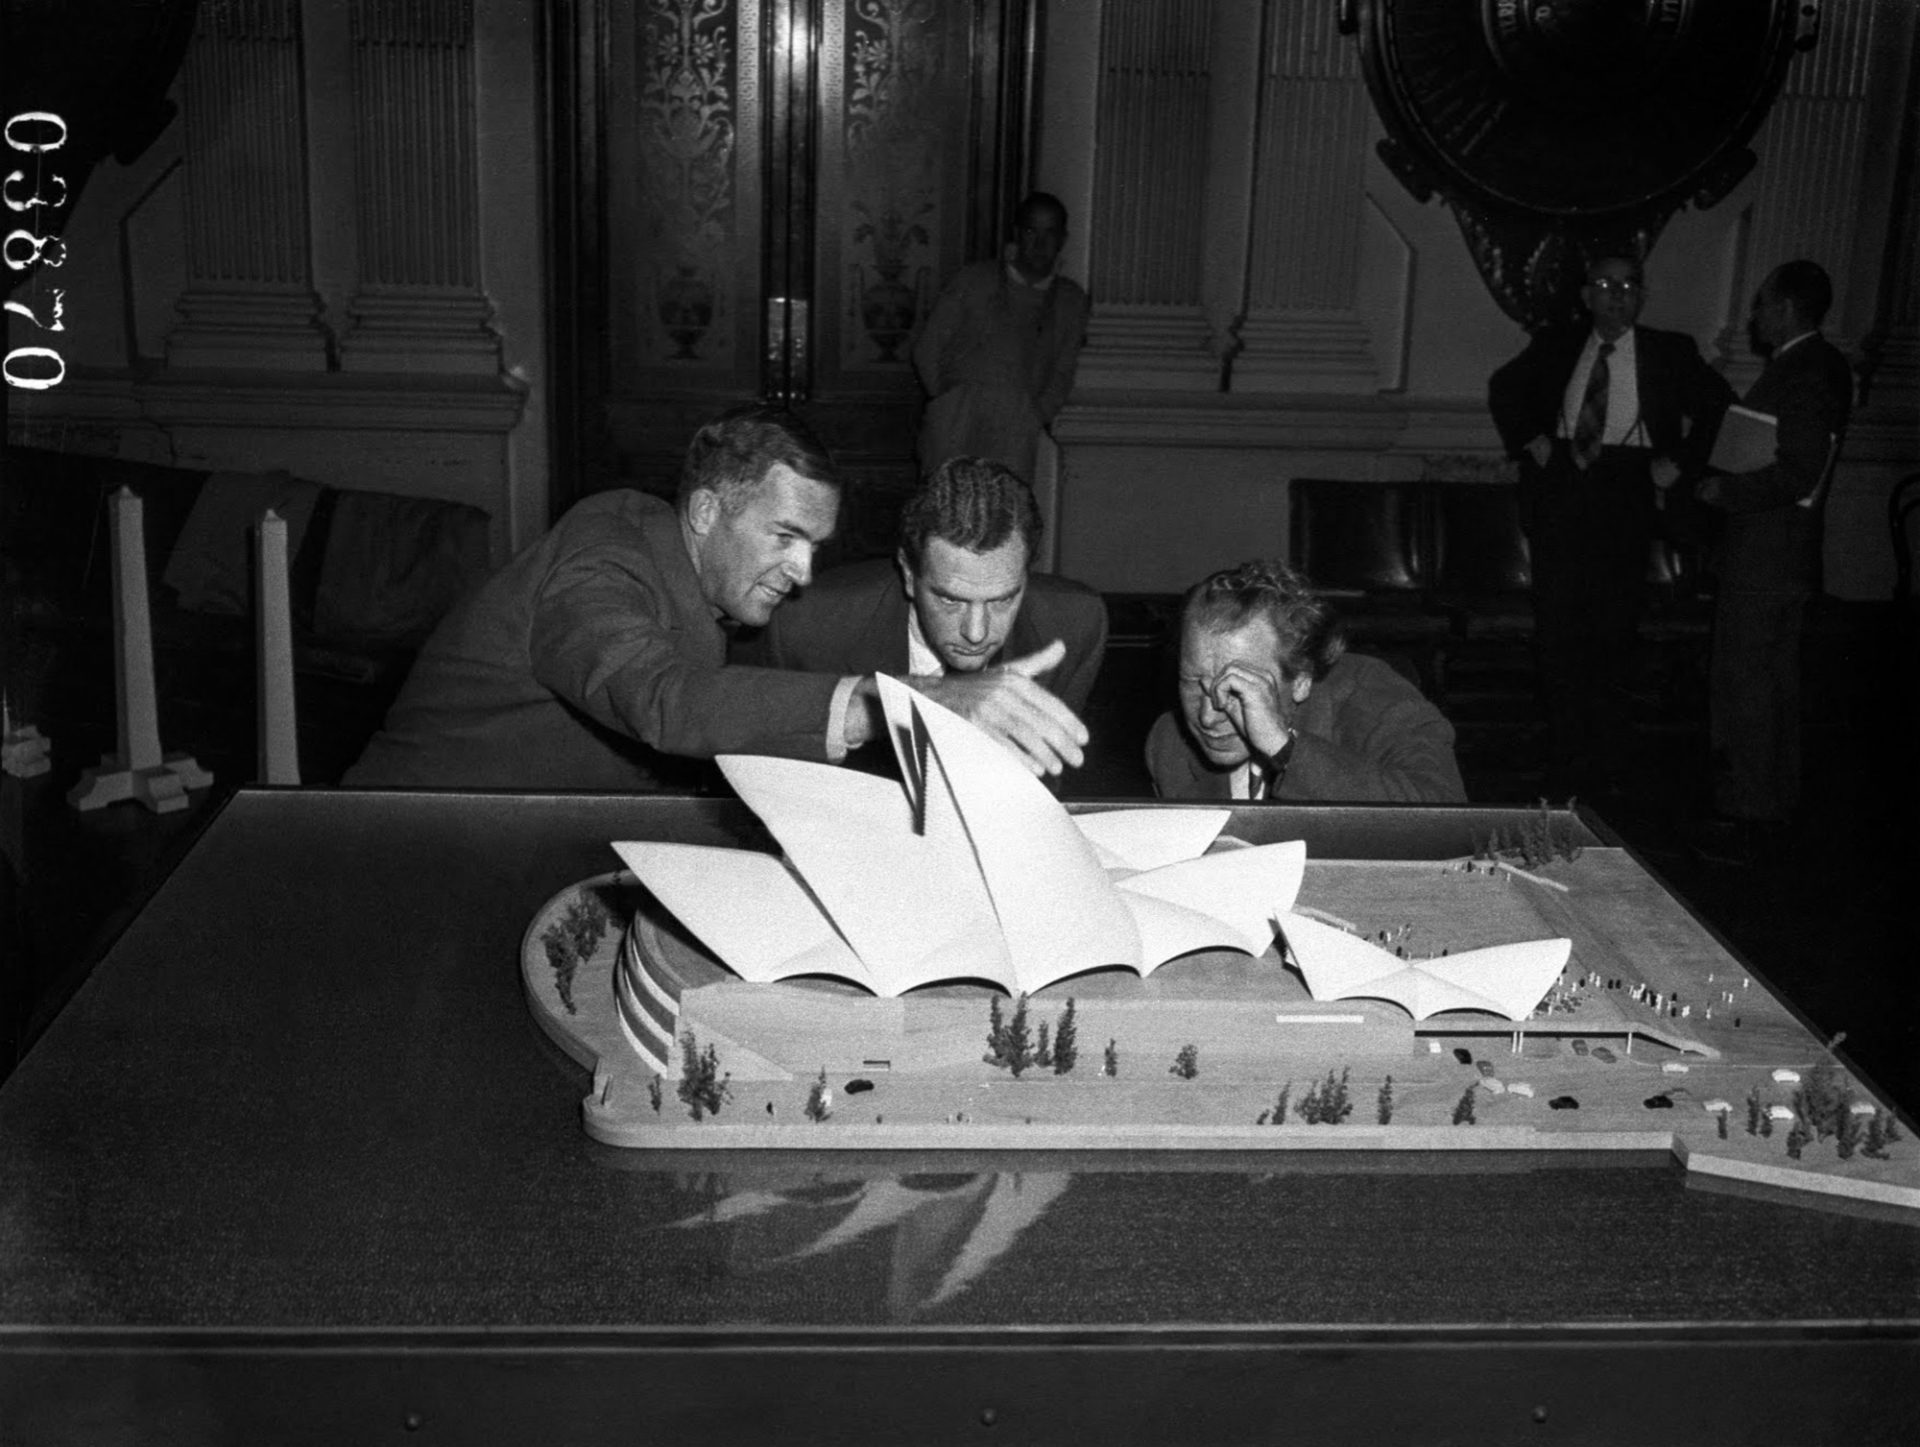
point(1186, 1064)
point(571, 939)
point(1798, 1137)
point(1876, 1142)
point(1383, 1110)
point(1043, 1047)
point(1335, 1105)
point(1110, 1062)
point(1463, 1110)
point(1310, 1108)
point(1821, 1100)
point(703, 1088)
point(819, 1098)
point(1066, 1042)
point(1018, 1052)
point(996, 1033)
point(1280, 1105)
point(1847, 1130)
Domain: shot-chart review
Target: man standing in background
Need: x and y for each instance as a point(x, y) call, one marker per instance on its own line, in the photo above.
point(1599, 418)
point(998, 354)
point(1769, 561)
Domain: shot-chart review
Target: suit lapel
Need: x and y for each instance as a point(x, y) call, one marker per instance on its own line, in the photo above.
point(691, 616)
point(885, 633)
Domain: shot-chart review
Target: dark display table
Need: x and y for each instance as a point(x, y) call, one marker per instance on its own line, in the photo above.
point(295, 1164)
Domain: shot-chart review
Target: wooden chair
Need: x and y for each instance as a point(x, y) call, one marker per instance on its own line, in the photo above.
point(1364, 545)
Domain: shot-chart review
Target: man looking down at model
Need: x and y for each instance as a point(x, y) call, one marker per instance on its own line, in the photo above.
point(1273, 707)
point(957, 599)
point(596, 658)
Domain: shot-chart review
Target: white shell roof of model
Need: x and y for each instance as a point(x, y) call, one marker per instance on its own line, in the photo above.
point(1507, 980)
point(970, 869)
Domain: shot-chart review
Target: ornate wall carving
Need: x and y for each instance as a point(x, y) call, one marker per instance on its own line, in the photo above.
point(689, 68)
point(897, 68)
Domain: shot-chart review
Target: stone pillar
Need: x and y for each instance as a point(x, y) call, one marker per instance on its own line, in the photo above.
point(1805, 197)
point(1303, 330)
point(1893, 347)
point(249, 301)
point(1165, 253)
point(418, 306)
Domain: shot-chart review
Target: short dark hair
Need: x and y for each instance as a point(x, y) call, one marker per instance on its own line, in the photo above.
point(1039, 201)
point(1594, 263)
point(1307, 630)
point(972, 503)
point(1806, 285)
point(731, 454)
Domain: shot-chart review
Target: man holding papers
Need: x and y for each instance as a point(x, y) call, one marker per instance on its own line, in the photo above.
point(1768, 471)
point(1598, 418)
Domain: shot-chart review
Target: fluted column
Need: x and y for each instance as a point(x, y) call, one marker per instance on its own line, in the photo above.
point(1805, 199)
point(1148, 234)
point(249, 301)
point(1303, 331)
point(418, 306)
point(1893, 348)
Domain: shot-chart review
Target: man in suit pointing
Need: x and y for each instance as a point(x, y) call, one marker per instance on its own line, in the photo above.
point(958, 602)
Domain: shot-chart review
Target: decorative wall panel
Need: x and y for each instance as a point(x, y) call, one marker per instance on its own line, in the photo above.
point(683, 153)
point(418, 305)
point(892, 227)
point(249, 300)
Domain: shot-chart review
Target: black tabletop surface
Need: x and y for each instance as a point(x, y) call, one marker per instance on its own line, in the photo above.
point(303, 1093)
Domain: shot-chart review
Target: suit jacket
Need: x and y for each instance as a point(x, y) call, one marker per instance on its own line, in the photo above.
point(591, 661)
point(854, 620)
point(997, 360)
point(1682, 400)
point(1364, 735)
point(1772, 543)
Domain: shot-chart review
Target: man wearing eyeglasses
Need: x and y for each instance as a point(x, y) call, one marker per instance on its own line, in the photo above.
point(1601, 419)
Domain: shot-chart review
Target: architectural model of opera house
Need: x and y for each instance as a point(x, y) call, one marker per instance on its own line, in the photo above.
point(896, 909)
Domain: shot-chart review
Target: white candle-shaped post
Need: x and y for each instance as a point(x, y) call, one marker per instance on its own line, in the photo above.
point(133, 635)
point(137, 769)
point(279, 741)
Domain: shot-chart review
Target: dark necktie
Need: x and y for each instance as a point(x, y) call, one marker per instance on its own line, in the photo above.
point(1591, 425)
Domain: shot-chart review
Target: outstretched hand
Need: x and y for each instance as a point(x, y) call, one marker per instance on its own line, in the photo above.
point(1006, 702)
